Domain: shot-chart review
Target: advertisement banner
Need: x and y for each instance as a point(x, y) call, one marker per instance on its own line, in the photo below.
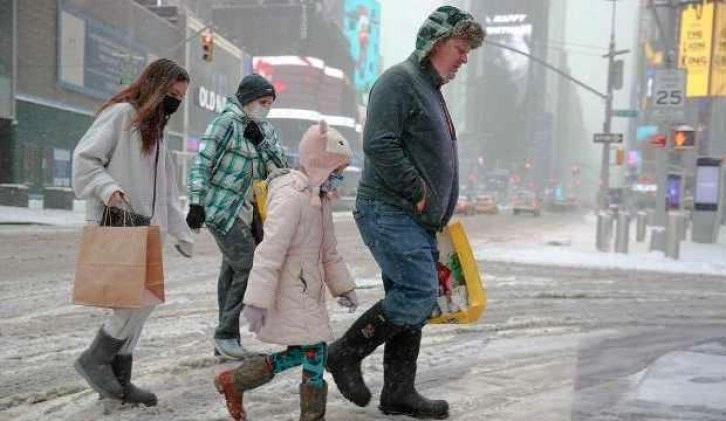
point(718, 63)
point(93, 58)
point(695, 48)
point(511, 85)
point(362, 27)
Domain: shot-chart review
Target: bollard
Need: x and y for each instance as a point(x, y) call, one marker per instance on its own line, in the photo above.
point(622, 235)
point(683, 226)
point(657, 239)
point(673, 235)
point(640, 224)
point(650, 217)
point(604, 231)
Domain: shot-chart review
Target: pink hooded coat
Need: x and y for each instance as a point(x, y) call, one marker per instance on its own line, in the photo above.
point(298, 257)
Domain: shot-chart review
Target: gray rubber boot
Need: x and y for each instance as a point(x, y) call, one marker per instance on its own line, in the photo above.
point(122, 366)
point(94, 365)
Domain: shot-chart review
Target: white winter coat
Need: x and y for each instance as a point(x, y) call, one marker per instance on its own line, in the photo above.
point(294, 263)
point(109, 158)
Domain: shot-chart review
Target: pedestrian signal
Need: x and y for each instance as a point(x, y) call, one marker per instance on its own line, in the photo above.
point(684, 138)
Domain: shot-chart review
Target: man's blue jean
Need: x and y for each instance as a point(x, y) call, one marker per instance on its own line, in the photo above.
point(407, 255)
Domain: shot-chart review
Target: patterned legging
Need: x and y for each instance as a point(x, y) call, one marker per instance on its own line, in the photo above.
point(311, 357)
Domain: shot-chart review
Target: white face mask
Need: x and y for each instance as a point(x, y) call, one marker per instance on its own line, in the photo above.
point(258, 113)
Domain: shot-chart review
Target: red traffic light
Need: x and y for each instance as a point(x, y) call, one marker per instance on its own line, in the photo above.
point(659, 140)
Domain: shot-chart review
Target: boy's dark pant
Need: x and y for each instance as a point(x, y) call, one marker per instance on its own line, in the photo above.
point(238, 248)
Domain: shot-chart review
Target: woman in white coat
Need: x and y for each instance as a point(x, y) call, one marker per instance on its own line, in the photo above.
point(123, 162)
point(296, 261)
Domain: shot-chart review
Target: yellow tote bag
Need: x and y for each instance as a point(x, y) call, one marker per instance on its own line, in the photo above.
point(259, 188)
point(462, 295)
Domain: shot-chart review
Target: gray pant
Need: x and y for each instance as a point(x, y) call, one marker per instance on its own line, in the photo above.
point(238, 248)
point(127, 324)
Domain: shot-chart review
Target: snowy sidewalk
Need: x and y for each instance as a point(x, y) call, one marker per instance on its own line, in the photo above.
point(573, 245)
point(36, 215)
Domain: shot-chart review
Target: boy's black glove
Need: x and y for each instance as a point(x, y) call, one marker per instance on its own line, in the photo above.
point(253, 133)
point(196, 217)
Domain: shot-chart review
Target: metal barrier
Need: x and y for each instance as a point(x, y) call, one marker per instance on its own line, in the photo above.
point(674, 233)
point(622, 234)
point(657, 239)
point(640, 224)
point(604, 231)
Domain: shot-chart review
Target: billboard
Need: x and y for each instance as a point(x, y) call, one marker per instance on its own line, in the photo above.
point(307, 90)
point(695, 47)
point(718, 63)
point(507, 111)
point(93, 58)
point(362, 28)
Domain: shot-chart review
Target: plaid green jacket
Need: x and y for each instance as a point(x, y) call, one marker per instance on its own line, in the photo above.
point(221, 176)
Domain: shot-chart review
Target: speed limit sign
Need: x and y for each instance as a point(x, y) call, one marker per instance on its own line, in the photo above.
point(669, 95)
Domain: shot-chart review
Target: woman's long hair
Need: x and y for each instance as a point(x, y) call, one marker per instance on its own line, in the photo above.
point(146, 93)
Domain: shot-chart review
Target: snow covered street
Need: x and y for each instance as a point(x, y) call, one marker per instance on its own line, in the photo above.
point(564, 336)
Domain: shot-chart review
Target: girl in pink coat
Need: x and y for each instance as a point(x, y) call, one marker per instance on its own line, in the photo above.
point(296, 261)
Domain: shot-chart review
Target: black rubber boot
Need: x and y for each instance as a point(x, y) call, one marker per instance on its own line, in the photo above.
point(122, 366)
point(94, 365)
point(399, 395)
point(345, 355)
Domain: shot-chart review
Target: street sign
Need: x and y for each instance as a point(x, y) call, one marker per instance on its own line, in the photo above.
point(625, 113)
point(669, 95)
point(607, 138)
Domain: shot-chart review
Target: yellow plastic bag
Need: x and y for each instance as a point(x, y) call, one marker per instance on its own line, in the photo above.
point(259, 188)
point(462, 295)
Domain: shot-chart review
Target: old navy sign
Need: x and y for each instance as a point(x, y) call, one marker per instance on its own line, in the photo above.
point(210, 100)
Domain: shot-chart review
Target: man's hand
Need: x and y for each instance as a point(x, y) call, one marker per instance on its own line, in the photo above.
point(421, 205)
point(254, 317)
point(253, 133)
point(196, 216)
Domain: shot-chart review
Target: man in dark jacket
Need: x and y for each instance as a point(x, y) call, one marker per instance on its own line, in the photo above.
point(407, 192)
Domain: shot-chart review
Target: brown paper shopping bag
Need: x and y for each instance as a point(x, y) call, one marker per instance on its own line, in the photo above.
point(116, 265)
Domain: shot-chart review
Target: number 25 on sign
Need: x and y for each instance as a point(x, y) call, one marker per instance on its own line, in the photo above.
point(666, 97)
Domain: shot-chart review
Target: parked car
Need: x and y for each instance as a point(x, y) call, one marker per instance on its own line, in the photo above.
point(526, 201)
point(464, 206)
point(486, 204)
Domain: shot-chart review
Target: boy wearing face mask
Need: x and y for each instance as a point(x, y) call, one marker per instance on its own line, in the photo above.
point(239, 147)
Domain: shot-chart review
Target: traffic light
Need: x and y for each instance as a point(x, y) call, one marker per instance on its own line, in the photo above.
point(658, 140)
point(684, 137)
point(619, 156)
point(207, 45)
